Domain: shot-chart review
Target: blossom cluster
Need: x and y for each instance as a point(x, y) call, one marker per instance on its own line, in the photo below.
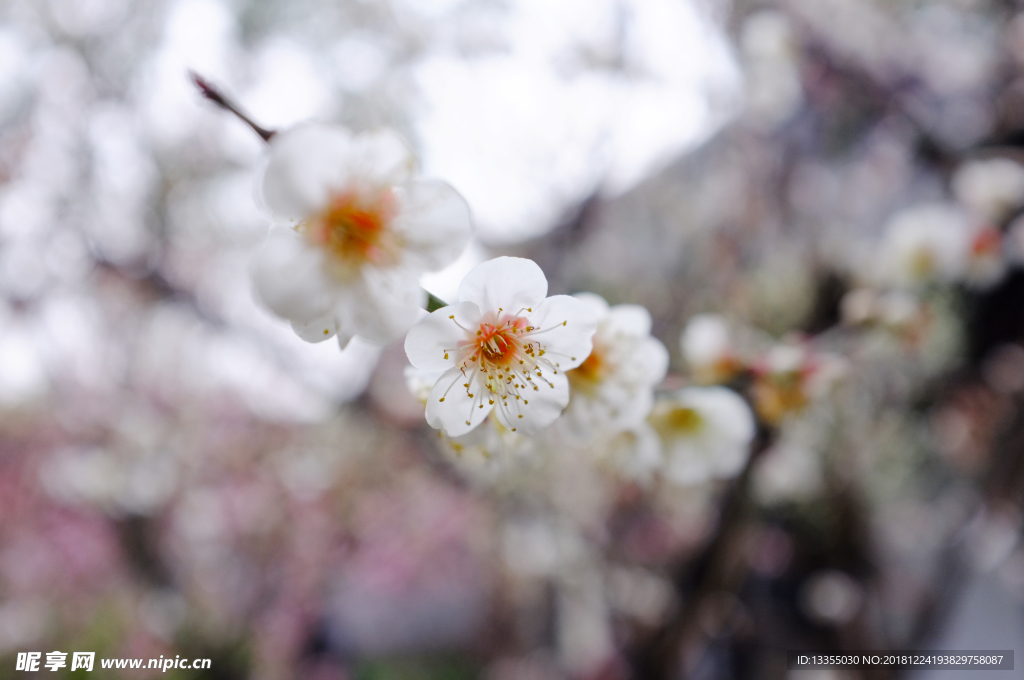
point(356, 230)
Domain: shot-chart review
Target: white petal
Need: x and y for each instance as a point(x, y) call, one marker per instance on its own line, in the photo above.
point(633, 410)
point(459, 412)
point(725, 410)
point(434, 223)
point(383, 305)
point(420, 382)
point(687, 463)
point(630, 319)
point(434, 337)
point(597, 304)
point(544, 407)
point(317, 330)
point(306, 163)
point(705, 339)
point(508, 283)
point(565, 329)
point(381, 158)
point(653, 356)
point(289, 277)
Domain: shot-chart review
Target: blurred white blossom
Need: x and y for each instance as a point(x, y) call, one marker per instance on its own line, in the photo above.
point(705, 433)
point(926, 244)
point(613, 389)
point(362, 231)
point(993, 188)
point(709, 349)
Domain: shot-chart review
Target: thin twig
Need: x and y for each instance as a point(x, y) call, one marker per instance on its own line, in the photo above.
point(218, 98)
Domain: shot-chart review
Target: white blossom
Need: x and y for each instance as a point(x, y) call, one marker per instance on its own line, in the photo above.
point(709, 349)
point(993, 188)
point(360, 231)
point(485, 454)
point(705, 432)
point(986, 260)
point(789, 471)
point(926, 244)
point(791, 376)
point(504, 346)
point(613, 389)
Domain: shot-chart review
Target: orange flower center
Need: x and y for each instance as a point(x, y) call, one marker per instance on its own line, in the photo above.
point(499, 345)
point(355, 229)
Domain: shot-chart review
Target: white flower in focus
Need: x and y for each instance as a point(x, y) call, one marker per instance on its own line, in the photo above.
point(487, 453)
point(361, 232)
point(708, 349)
point(614, 388)
point(993, 188)
point(705, 433)
point(926, 244)
point(504, 347)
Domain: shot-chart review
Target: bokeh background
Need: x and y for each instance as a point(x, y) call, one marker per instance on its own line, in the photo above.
point(180, 474)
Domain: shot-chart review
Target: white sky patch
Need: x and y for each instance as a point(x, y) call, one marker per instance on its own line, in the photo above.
point(289, 90)
point(22, 373)
point(589, 95)
point(358, 61)
point(445, 283)
point(14, 72)
point(199, 36)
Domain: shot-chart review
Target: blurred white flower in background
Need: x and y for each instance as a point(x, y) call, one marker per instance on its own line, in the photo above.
point(705, 433)
point(993, 188)
point(363, 231)
point(504, 344)
point(791, 376)
point(709, 349)
point(613, 389)
point(926, 244)
point(788, 471)
point(633, 454)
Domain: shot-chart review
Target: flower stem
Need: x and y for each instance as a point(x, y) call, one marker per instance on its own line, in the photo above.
point(434, 303)
point(215, 96)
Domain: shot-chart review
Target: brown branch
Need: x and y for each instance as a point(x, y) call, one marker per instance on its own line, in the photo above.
point(660, 656)
point(218, 98)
